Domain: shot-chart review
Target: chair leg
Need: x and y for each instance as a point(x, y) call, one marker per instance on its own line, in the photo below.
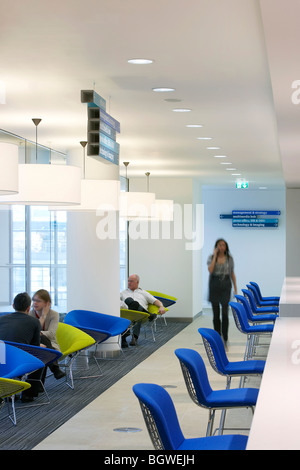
point(47, 400)
point(222, 422)
point(70, 379)
point(228, 381)
point(210, 424)
point(12, 416)
point(242, 381)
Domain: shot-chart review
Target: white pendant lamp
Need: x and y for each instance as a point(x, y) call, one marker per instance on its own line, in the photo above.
point(96, 195)
point(9, 176)
point(46, 184)
point(136, 205)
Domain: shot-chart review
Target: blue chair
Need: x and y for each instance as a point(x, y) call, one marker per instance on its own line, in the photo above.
point(254, 308)
point(258, 301)
point(17, 364)
point(275, 299)
point(201, 393)
point(164, 429)
point(252, 332)
point(258, 318)
point(218, 359)
point(99, 326)
point(46, 355)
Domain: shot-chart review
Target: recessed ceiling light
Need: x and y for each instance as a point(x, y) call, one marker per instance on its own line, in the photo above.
point(140, 61)
point(193, 125)
point(220, 156)
point(181, 110)
point(235, 174)
point(172, 100)
point(204, 138)
point(213, 148)
point(230, 169)
point(163, 89)
point(225, 163)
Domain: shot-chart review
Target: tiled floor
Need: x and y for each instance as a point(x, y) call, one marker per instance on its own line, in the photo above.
point(94, 427)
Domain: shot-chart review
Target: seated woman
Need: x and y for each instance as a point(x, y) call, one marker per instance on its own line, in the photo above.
point(49, 319)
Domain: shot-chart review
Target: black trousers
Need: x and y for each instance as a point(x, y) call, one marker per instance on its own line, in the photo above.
point(38, 376)
point(220, 319)
point(134, 305)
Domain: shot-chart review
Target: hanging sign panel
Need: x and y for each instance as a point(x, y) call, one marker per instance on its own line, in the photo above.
point(253, 218)
point(102, 128)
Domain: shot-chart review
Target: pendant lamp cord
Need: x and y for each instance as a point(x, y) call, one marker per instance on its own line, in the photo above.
point(83, 144)
point(36, 122)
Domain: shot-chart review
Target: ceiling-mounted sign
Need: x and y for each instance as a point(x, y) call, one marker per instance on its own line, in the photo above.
point(102, 128)
point(242, 185)
point(253, 218)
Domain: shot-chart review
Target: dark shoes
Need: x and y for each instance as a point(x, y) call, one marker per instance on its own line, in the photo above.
point(26, 399)
point(134, 341)
point(57, 372)
point(152, 316)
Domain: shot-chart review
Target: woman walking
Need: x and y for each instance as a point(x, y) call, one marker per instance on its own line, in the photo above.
point(221, 269)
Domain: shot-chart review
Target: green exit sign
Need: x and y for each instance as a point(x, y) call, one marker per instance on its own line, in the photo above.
point(242, 185)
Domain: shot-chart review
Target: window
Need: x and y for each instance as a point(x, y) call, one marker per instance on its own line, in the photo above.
point(38, 253)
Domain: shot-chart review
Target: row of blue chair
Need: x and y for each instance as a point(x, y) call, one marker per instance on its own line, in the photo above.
point(158, 408)
point(159, 411)
point(253, 317)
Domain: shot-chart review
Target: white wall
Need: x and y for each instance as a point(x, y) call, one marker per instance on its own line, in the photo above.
point(259, 254)
point(292, 232)
point(165, 265)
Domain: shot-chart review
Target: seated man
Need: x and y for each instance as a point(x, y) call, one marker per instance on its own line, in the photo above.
point(19, 327)
point(138, 299)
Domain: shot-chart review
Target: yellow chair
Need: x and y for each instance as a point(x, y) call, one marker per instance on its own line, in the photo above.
point(167, 301)
point(9, 388)
point(135, 316)
point(71, 342)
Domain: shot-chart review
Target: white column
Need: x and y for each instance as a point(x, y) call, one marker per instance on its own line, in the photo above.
point(93, 265)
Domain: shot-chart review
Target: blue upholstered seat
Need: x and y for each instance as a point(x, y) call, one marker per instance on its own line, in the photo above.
point(218, 359)
point(164, 429)
point(200, 391)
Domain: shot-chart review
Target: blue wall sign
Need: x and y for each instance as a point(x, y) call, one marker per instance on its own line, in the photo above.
point(253, 218)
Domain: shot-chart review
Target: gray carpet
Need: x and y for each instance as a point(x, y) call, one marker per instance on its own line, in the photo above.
point(36, 423)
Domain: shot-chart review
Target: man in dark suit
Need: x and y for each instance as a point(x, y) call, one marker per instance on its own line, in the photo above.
point(18, 326)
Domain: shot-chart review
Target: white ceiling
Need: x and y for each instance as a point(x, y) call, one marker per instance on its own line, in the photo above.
point(225, 58)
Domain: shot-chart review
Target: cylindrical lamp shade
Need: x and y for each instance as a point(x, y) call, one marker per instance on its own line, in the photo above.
point(136, 205)
point(96, 195)
point(9, 176)
point(45, 185)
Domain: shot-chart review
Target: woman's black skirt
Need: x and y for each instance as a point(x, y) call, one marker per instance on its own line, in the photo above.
point(219, 289)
